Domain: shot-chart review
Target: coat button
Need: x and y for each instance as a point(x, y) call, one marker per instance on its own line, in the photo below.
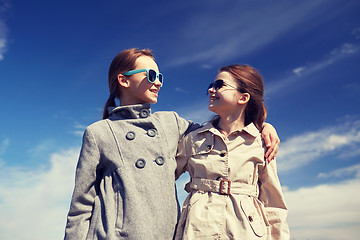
point(130, 135)
point(250, 219)
point(140, 163)
point(160, 161)
point(208, 147)
point(144, 113)
point(222, 154)
point(151, 132)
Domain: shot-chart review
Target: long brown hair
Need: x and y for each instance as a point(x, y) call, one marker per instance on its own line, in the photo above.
point(124, 61)
point(250, 81)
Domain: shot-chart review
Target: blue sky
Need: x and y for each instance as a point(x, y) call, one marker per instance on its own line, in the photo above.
point(54, 58)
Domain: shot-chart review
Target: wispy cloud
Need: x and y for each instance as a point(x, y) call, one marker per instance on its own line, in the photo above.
point(299, 73)
point(3, 41)
point(4, 145)
point(79, 130)
point(37, 200)
point(342, 172)
point(356, 32)
point(181, 90)
point(300, 150)
point(234, 32)
point(4, 6)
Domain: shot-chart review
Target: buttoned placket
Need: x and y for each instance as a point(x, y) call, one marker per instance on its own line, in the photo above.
point(139, 112)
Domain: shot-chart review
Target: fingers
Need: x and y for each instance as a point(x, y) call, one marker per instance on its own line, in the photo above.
point(271, 153)
point(267, 140)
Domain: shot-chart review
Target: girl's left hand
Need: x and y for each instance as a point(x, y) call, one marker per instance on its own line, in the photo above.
point(272, 141)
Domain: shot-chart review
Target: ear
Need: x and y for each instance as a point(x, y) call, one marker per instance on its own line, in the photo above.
point(123, 81)
point(244, 98)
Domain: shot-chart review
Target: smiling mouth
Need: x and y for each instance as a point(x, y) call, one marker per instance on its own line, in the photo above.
point(154, 90)
point(212, 98)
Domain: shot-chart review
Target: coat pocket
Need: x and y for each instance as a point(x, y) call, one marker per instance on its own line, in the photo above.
point(254, 216)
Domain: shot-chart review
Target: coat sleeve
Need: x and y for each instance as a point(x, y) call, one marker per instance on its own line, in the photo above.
point(79, 216)
point(271, 195)
point(185, 126)
point(182, 156)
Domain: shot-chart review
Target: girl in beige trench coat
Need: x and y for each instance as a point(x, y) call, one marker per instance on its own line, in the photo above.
point(234, 192)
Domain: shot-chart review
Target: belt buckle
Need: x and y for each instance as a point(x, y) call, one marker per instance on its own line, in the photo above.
point(222, 188)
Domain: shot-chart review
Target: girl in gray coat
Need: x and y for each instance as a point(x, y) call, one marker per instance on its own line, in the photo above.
point(125, 177)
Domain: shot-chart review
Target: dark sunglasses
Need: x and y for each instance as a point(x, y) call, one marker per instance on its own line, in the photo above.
point(219, 84)
point(150, 73)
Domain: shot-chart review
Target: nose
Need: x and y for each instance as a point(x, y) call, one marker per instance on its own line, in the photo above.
point(210, 90)
point(157, 82)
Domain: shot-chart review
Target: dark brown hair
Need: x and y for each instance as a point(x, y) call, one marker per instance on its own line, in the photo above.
point(250, 81)
point(123, 62)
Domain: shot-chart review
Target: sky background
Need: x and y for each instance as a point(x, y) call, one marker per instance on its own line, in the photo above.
point(54, 58)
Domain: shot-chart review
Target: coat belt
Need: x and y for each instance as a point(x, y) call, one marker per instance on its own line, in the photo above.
point(223, 186)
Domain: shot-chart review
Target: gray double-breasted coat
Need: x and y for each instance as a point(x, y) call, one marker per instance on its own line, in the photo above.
point(125, 177)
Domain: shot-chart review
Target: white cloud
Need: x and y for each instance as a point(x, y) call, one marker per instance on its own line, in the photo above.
point(298, 70)
point(325, 212)
point(79, 130)
point(342, 172)
point(233, 32)
point(181, 90)
point(297, 74)
point(300, 150)
point(34, 202)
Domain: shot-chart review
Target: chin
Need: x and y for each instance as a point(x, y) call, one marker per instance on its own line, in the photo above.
point(212, 109)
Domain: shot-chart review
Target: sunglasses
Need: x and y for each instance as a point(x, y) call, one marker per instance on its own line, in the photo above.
point(150, 73)
point(219, 84)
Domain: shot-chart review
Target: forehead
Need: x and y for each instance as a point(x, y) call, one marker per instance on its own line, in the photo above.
point(146, 62)
point(226, 76)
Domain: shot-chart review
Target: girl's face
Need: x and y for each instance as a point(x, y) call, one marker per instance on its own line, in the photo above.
point(225, 99)
point(139, 89)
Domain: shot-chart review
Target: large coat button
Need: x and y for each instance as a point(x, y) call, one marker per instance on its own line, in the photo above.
point(130, 135)
point(160, 161)
point(151, 132)
point(140, 163)
point(144, 113)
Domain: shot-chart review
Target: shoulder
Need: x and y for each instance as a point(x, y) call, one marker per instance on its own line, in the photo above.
point(97, 129)
point(97, 126)
point(171, 117)
point(167, 115)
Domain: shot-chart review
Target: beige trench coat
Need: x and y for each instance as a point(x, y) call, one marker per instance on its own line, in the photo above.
point(234, 192)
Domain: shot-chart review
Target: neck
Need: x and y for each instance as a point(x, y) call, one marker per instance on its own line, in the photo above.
point(231, 123)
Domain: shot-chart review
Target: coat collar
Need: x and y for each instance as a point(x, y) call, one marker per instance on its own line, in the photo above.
point(250, 129)
point(137, 111)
